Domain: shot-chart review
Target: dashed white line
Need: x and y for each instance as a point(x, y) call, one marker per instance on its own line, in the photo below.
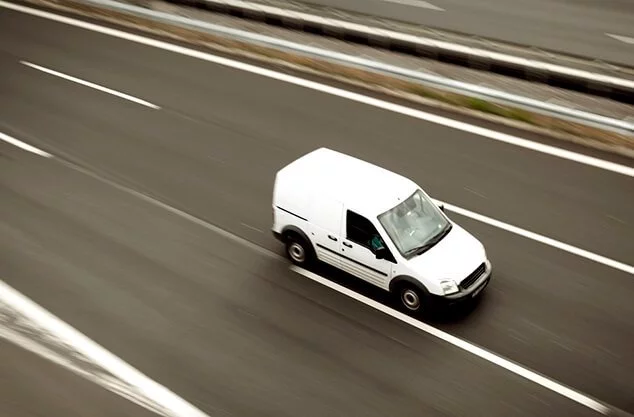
point(327, 89)
point(616, 219)
point(92, 85)
point(461, 211)
point(111, 363)
point(255, 229)
point(416, 3)
point(621, 38)
point(475, 192)
point(462, 344)
point(24, 146)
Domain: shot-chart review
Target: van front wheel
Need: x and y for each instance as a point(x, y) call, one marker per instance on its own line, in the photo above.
point(410, 298)
point(298, 250)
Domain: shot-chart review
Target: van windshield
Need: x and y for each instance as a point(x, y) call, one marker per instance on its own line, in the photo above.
point(415, 225)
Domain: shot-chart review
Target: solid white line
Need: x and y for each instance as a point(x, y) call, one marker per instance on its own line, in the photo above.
point(111, 363)
point(462, 344)
point(540, 238)
point(107, 382)
point(432, 118)
point(416, 3)
point(24, 146)
point(621, 38)
point(92, 85)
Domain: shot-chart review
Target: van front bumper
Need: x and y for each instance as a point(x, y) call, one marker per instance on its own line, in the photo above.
point(469, 294)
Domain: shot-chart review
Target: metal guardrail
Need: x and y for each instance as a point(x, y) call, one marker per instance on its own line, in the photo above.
point(588, 82)
point(496, 96)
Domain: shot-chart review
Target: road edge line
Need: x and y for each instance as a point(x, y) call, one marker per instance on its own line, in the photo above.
point(108, 361)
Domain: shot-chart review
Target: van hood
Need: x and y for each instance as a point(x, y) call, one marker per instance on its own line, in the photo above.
point(455, 257)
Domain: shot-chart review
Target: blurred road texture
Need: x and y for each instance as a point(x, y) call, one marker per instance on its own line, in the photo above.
point(234, 331)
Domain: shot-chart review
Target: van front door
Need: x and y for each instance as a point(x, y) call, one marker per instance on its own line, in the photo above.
point(357, 257)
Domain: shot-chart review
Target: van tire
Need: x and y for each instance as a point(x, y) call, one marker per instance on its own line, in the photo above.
point(299, 250)
point(411, 298)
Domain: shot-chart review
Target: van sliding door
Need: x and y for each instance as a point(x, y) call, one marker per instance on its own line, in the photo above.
point(325, 229)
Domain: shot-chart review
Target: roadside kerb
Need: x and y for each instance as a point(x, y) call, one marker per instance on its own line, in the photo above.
point(615, 88)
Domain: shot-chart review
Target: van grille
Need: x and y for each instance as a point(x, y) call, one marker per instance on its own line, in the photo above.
point(473, 277)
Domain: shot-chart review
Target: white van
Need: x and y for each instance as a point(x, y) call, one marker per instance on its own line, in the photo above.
point(378, 226)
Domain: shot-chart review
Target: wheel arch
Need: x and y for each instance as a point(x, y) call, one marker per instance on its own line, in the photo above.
point(294, 231)
point(290, 230)
point(406, 279)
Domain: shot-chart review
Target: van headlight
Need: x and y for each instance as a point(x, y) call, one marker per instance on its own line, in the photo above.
point(449, 287)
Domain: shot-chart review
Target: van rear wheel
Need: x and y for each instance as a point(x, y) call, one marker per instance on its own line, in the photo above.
point(298, 250)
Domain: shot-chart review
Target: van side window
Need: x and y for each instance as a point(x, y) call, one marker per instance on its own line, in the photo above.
point(359, 229)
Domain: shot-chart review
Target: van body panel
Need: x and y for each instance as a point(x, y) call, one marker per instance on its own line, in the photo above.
point(454, 257)
point(325, 229)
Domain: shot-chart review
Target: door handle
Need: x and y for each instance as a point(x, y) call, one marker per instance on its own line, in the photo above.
point(347, 244)
point(331, 237)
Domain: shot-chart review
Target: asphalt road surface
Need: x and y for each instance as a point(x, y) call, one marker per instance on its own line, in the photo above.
point(233, 330)
point(579, 27)
point(33, 386)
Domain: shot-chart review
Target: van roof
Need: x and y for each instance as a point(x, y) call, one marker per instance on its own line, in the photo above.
point(364, 187)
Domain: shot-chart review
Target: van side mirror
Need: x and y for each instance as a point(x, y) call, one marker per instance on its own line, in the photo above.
point(376, 244)
point(381, 253)
point(442, 207)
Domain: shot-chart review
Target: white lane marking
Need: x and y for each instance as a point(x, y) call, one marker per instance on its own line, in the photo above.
point(506, 364)
point(621, 38)
point(464, 212)
point(248, 226)
point(418, 114)
point(416, 3)
point(111, 363)
point(616, 219)
point(462, 344)
point(540, 238)
point(92, 85)
point(475, 192)
point(103, 380)
point(24, 146)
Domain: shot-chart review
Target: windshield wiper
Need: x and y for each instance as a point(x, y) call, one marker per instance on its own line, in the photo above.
point(420, 249)
point(431, 243)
